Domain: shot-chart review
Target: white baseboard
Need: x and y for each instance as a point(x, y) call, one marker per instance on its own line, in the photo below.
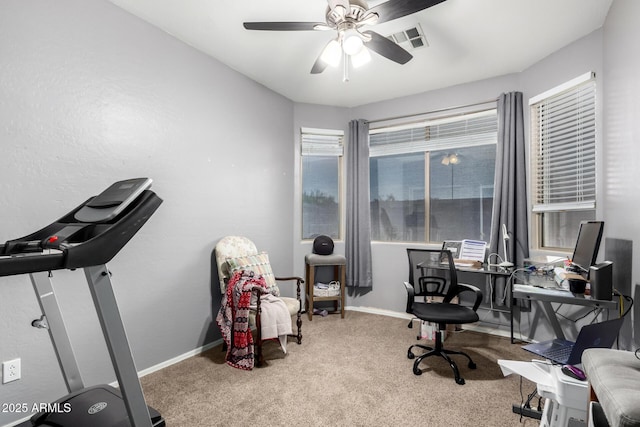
point(380, 311)
point(179, 358)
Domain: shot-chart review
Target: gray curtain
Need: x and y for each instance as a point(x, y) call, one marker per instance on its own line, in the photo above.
point(358, 226)
point(510, 187)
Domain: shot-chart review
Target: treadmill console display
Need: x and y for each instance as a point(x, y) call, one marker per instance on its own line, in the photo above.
point(91, 234)
point(108, 204)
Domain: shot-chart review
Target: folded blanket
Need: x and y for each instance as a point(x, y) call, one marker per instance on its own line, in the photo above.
point(233, 318)
point(275, 319)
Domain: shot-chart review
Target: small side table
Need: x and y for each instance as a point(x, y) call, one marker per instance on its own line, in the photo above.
point(339, 264)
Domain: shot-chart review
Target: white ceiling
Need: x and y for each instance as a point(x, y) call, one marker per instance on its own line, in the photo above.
point(468, 40)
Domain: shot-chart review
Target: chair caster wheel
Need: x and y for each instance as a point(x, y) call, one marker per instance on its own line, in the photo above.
point(460, 381)
point(417, 371)
point(410, 355)
point(472, 365)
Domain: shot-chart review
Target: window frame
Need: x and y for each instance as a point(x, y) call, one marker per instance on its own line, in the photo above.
point(584, 123)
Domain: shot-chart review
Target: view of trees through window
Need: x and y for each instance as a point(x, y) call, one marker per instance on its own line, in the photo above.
point(433, 196)
point(320, 196)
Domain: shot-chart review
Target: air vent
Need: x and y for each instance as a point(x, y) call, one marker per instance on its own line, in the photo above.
point(410, 39)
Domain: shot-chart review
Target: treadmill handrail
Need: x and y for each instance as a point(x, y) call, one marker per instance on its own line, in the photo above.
point(102, 243)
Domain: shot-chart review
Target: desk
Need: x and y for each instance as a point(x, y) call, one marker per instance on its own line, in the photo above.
point(548, 295)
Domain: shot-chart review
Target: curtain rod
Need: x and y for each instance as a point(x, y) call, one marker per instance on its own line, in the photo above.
point(441, 110)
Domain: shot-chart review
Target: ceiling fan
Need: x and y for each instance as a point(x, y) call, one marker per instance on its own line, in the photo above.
point(353, 41)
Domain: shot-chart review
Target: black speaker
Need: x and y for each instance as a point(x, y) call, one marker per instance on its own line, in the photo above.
point(601, 278)
point(323, 245)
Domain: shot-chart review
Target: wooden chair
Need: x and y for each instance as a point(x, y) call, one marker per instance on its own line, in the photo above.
point(234, 253)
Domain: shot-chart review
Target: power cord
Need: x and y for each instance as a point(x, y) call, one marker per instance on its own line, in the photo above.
point(622, 297)
point(527, 404)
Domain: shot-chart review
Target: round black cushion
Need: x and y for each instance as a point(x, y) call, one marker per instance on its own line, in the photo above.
point(323, 245)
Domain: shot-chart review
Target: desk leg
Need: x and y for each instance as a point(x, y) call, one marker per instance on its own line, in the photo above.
point(513, 302)
point(553, 319)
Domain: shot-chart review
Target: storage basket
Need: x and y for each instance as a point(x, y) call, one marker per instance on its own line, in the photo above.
point(331, 289)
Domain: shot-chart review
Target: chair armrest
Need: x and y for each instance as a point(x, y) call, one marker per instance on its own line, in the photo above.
point(410, 296)
point(296, 278)
point(299, 281)
point(464, 287)
point(259, 290)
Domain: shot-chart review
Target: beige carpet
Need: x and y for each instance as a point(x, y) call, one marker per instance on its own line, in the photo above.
point(347, 372)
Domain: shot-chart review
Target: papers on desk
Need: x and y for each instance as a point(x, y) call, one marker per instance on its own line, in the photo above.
point(473, 250)
point(463, 263)
point(466, 253)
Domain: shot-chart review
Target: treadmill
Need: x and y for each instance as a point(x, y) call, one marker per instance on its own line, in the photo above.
point(88, 237)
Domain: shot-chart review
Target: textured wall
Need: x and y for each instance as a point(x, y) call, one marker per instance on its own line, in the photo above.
point(89, 95)
point(621, 155)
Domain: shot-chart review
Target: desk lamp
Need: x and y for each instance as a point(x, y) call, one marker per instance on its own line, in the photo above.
point(505, 237)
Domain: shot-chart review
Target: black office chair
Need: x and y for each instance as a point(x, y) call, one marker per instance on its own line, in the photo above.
point(432, 276)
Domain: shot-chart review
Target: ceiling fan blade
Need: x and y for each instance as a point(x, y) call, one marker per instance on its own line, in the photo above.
point(282, 26)
point(319, 66)
point(385, 47)
point(394, 9)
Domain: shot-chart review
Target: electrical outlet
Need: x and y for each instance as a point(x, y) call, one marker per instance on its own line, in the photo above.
point(11, 371)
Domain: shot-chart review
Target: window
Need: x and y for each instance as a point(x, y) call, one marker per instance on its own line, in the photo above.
point(433, 181)
point(563, 137)
point(321, 151)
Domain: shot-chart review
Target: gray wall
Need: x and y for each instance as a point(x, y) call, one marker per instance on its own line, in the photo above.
point(89, 95)
point(621, 154)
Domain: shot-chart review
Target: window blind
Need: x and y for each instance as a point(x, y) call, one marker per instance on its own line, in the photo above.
point(321, 142)
point(563, 129)
point(448, 133)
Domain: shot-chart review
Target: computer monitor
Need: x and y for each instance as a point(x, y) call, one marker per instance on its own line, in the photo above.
point(587, 245)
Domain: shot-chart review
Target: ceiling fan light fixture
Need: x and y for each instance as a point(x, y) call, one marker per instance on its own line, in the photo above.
point(332, 54)
point(352, 42)
point(360, 58)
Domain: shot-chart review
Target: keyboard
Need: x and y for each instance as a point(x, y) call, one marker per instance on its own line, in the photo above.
point(561, 353)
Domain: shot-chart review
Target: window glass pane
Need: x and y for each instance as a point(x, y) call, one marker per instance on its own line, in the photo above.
point(461, 193)
point(397, 197)
point(320, 196)
point(560, 229)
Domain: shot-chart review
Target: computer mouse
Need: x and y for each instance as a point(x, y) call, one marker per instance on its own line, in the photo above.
point(574, 372)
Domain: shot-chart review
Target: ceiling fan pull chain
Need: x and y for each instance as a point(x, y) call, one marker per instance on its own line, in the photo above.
point(345, 67)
